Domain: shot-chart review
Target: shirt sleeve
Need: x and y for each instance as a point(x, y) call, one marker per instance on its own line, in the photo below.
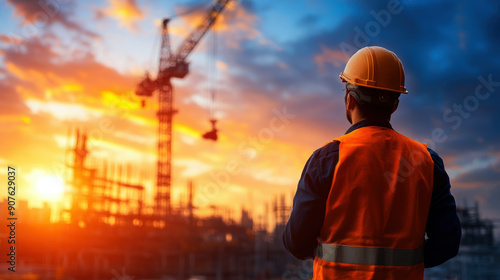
point(443, 226)
point(300, 236)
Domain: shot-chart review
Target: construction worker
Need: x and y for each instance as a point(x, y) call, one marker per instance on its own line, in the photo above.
point(366, 200)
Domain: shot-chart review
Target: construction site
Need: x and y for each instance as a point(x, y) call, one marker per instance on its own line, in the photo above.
point(479, 253)
point(108, 233)
point(110, 228)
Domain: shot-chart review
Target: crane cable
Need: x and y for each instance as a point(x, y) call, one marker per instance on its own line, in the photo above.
point(212, 73)
point(213, 91)
point(151, 65)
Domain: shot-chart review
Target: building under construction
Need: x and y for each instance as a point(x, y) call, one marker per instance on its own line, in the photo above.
point(479, 253)
point(106, 232)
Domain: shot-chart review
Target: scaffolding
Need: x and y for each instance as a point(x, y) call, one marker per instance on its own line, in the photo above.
point(479, 255)
point(98, 193)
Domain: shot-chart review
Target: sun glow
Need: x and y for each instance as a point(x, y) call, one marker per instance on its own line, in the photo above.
point(49, 187)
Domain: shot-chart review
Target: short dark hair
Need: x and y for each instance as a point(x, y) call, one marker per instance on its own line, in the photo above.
point(373, 103)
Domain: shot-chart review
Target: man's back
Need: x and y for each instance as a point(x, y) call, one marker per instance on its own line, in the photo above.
point(308, 220)
point(379, 200)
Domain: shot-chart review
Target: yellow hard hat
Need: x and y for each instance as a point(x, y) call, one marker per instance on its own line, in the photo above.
point(375, 67)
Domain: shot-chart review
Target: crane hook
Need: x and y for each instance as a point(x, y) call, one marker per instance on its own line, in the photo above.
point(212, 134)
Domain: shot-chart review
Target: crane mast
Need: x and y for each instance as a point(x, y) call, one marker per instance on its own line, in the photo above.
point(171, 66)
point(165, 114)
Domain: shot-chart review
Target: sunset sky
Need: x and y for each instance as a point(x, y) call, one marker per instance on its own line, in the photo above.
point(74, 64)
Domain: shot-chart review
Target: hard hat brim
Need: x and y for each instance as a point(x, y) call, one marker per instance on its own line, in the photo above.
point(367, 83)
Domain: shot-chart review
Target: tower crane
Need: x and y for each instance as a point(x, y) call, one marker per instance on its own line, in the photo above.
point(172, 65)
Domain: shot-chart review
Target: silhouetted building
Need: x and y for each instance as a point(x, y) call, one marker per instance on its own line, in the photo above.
point(479, 255)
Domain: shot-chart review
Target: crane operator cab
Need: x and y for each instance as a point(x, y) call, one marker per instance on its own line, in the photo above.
point(179, 70)
point(146, 87)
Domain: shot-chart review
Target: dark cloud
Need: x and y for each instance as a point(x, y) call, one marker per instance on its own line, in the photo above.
point(44, 13)
point(487, 175)
point(250, 7)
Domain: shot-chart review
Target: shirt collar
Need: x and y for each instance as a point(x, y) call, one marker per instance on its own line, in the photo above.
point(363, 123)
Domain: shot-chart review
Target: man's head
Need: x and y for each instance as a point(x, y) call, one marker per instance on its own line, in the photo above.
point(374, 79)
point(369, 103)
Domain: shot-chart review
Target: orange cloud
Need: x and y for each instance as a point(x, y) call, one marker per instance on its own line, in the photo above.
point(10, 40)
point(235, 24)
point(127, 12)
point(330, 56)
point(63, 111)
point(221, 65)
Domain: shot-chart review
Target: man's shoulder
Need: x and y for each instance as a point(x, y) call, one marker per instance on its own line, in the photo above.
point(329, 149)
point(436, 158)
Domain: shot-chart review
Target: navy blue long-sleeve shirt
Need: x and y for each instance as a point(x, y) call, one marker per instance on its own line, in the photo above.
point(303, 228)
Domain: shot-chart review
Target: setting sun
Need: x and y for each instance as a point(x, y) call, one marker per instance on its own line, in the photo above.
point(49, 187)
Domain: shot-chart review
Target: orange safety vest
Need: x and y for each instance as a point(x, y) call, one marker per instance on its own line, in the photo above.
point(377, 208)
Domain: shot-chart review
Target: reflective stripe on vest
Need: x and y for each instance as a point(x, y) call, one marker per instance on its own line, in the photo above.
point(369, 255)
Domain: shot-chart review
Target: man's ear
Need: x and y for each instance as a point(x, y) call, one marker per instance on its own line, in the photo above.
point(395, 107)
point(351, 102)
